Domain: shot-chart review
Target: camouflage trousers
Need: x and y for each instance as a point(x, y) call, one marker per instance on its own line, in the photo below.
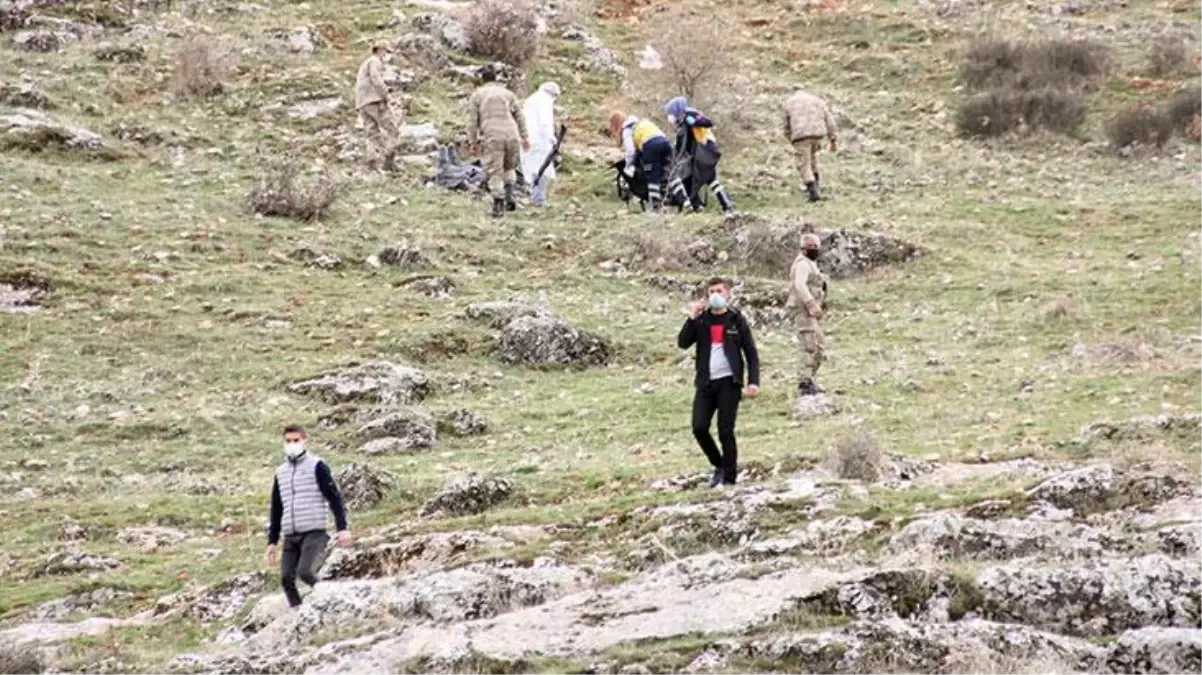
point(378, 120)
point(813, 346)
point(501, 157)
point(805, 154)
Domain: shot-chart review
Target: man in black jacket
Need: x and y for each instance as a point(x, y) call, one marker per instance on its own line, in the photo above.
point(723, 338)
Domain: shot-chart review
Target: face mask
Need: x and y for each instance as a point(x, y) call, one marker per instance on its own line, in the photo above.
point(813, 253)
point(672, 119)
point(294, 450)
point(717, 301)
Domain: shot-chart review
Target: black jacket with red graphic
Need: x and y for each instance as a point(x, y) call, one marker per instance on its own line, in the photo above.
point(737, 342)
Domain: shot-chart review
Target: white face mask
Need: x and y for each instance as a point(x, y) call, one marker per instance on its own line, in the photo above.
point(294, 450)
point(671, 119)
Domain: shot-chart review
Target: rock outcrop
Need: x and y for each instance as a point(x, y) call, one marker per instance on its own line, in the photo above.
point(548, 340)
point(376, 382)
point(467, 494)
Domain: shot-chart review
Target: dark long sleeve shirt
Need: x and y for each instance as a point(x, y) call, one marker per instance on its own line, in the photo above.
point(737, 342)
point(329, 489)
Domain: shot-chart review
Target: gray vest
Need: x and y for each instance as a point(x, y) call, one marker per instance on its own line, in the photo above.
point(304, 506)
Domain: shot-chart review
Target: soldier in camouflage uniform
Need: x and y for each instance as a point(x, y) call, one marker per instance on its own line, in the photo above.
point(496, 123)
point(807, 292)
point(371, 100)
point(807, 120)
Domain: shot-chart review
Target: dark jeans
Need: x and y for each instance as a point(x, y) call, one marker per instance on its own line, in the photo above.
point(654, 158)
point(721, 396)
point(301, 559)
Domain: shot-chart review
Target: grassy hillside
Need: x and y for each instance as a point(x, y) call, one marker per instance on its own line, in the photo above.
point(1061, 285)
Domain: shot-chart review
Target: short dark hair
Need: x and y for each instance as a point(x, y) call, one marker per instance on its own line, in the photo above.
point(294, 429)
point(488, 73)
point(714, 281)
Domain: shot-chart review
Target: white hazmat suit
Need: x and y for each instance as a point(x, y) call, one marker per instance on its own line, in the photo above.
point(539, 110)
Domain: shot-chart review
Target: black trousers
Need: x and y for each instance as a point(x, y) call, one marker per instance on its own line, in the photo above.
point(721, 396)
point(301, 559)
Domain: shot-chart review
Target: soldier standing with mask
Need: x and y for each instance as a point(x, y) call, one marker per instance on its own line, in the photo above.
point(807, 293)
point(723, 338)
point(303, 490)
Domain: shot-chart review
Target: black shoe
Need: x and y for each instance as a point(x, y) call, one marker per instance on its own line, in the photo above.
point(730, 476)
point(498, 206)
point(808, 388)
point(510, 203)
point(716, 478)
point(657, 206)
point(812, 191)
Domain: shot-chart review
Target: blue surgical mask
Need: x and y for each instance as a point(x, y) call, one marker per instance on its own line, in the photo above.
point(717, 301)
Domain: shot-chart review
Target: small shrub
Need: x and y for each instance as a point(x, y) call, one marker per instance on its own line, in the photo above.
point(282, 192)
point(1139, 125)
point(765, 250)
point(1184, 111)
point(658, 251)
point(201, 68)
point(1168, 56)
point(695, 54)
point(856, 456)
point(503, 30)
point(20, 659)
point(1032, 65)
point(1003, 111)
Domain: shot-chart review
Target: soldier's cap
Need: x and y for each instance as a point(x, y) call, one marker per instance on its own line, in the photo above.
point(810, 240)
point(381, 46)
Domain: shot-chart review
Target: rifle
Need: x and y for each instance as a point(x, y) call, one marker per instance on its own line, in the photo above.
point(563, 130)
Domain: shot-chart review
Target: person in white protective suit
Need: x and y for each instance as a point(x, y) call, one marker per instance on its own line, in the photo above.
point(539, 110)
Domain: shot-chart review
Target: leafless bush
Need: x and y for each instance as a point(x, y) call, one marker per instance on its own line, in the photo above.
point(281, 191)
point(1033, 64)
point(658, 251)
point(765, 250)
point(20, 659)
point(201, 67)
point(1003, 111)
point(1184, 111)
point(503, 30)
point(694, 51)
point(856, 456)
point(1168, 56)
point(1140, 124)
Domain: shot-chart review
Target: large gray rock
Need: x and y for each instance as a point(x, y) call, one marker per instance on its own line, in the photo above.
point(408, 555)
point(463, 422)
point(1145, 428)
point(36, 131)
point(1099, 598)
point(150, 539)
point(497, 313)
point(379, 382)
point(468, 494)
point(949, 535)
point(219, 602)
point(549, 340)
point(446, 29)
point(846, 253)
point(1157, 650)
point(600, 58)
point(364, 486)
point(88, 602)
point(38, 40)
point(1083, 488)
point(410, 428)
point(25, 94)
point(74, 562)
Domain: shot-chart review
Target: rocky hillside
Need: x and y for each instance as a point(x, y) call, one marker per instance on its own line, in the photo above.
point(1002, 479)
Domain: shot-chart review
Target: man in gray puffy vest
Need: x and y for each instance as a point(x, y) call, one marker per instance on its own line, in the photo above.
point(304, 488)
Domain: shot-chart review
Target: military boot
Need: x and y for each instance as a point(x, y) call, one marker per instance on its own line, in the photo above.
point(817, 181)
point(390, 162)
point(808, 388)
point(510, 203)
point(812, 191)
point(498, 207)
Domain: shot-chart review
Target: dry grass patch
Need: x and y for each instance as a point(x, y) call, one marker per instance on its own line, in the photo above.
point(1184, 111)
point(1168, 56)
point(282, 191)
point(856, 455)
point(1143, 125)
point(503, 30)
point(1057, 309)
point(1033, 64)
point(1003, 111)
point(202, 67)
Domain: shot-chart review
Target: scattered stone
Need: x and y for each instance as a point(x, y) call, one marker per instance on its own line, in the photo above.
point(1157, 650)
point(378, 382)
point(817, 405)
point(500, 312)
point(1100, 598)
point(400, 255)
point(512, 77)
point(38, 40)
point(23, 292)
point(89, 602)
point(1078, 488)
point(34, 131)
point(952, 536)
point(820, 537)
point(150, 539)
point(422, 48)
point(326, 262)
point(74, 562)
point(321, 107)
point(463, 422)
point(1180, 541)
point(547, 339)
point(409, 429)
point(304, 41)
point(25, 94)
point(420, 553)
point(449, 31)
point(600, 58)
point(1186, 425)
point(220, 602)
point(364, 486)
point(468, 494)
point(120, 54)
point(430, 286)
